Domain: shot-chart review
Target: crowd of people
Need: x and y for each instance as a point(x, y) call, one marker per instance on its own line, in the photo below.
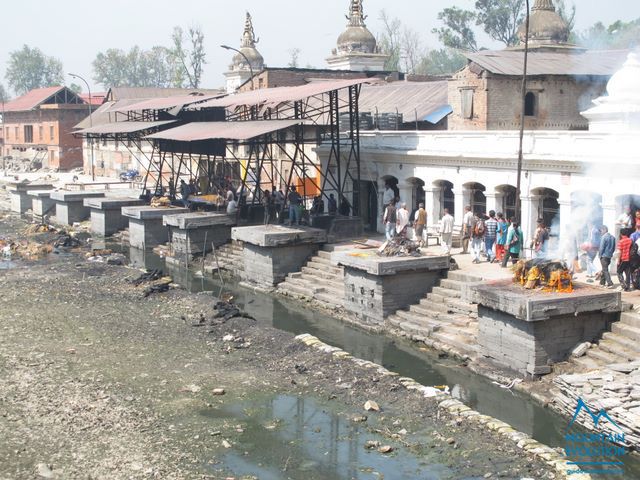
point(495, 239)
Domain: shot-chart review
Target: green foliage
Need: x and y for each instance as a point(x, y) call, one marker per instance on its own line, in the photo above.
point(618, 35)
point(457, 32)
point(390, 41)
point(444, 61)
point(75, 88)
point(29, 68)
point(4, 96)
point(135, 68)
point(500, 19)
point(294, 58)
point(190, 62)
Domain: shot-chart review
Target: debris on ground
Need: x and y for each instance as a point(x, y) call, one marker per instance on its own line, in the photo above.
point(35, 228)
point(148, 276)
point(24, 249)
point(399, 247)
point(226, 310)
point(158, 202)
point(108, 258)
point(158, 286)
point(371, 406)
point(67, 240)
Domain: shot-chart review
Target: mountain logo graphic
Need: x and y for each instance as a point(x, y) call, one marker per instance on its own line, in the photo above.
point(595, 417)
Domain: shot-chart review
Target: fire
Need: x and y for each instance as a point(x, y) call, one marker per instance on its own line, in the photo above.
point(550, 276)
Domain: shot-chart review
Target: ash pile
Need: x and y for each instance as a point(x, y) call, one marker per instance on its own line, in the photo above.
point(547, 275)
point(399, 247)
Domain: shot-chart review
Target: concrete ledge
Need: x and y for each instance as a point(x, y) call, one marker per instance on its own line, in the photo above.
point(378, 266)
point(25, 187)
point(195, 220)
point(68, 196)
point(278, 236)
point(111, 203)
point(533, 305)
point(40, 193)
point(148, 212)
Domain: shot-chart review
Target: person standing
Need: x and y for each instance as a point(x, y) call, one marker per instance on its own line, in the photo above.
point(185, 191)
point(333, 205)
point(514, 244)
point(295, 202)
point(592, 246)
point(446, 231)
point(624, 260)
point(388, 196)
point(402, 220)
point(477, 237)
point(420, 223)
point(467, 226)
point(266, 203)
point(501, 236)
point(491, 227)
point(279, 202)
point(625, 220)
point(606, 251)
point(540, 239)
point(389, 221)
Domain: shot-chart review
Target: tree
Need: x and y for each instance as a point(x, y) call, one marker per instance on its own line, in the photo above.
point(457, 32)
point(135, 68)
point(389, 41)
point(4, 96)
point(75, 88)
point(444, 61)
point(193, 60)
point(500, 19)
point(29, 68)
point(618, 35)
point(294, 55)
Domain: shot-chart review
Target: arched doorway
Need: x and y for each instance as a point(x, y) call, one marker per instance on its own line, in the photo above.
point(443, 198)
point(506, 200)
point(547, 206)
point(417, 192)
point(476, 197)
point(392, 182)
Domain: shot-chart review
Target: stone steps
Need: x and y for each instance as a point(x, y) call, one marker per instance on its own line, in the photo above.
point(327, 267)
point(321, 274)
point(324, 254)
point(586, 362)
point(626, 331)
point(624, 342)
point(442, 318)
point(411, 327)
point(631, 319)
point(441, 304)
point(446, 292)
point(601, 356)
point(461, 343)
point(620, 352)
point(462, 277)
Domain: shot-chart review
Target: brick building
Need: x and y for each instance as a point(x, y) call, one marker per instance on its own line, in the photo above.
point(38, 126)
point(562, 80)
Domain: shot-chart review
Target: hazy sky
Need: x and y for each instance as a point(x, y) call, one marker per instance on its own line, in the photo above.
point(75, 31)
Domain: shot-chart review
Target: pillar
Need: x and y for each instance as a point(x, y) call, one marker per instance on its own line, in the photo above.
point(459, 199)
point(433, 204)
point(492, 202)
point(609, 212)
point(529, 206)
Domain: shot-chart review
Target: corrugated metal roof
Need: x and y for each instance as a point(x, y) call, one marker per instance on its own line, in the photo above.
point(590, 62)
point(223, 130)
point(164, 103)
point(141, 93)
point(96, 99)
point(103, 114)
point(123, 127)
point(31, 99)
point(411, 99)
point(276, 96)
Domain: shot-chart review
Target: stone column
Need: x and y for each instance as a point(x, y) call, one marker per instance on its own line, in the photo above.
point(609, 212)
point(492, 199)
point(529, 215)
point(459, 197)
point(405, 195)
point(433, 204)
point(499, 203)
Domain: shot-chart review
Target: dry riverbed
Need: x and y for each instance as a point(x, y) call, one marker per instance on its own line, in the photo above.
point(98, 382)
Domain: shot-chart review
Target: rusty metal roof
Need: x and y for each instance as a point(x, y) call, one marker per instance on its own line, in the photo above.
point(223, 130)
point(411, 99)
point(122, 127)
point(164, 103)
point(575, 63)
point(142, 93)
point(275, 96)
point(34, 98)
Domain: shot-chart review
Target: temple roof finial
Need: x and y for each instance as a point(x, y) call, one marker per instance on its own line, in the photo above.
point(249, 36)
point(356, 15)
point(544, 5)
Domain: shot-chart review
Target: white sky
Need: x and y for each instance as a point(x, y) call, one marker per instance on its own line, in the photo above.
point(75, 31)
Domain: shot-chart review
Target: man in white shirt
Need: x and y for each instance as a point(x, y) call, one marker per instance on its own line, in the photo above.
point(467, 228)
point(232, 207)
point(446, 231)
point(388, 195)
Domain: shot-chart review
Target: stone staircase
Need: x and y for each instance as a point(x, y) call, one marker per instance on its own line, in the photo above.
point(620, 345)
point(320, 279)
point(229, 258)
point(442, 316)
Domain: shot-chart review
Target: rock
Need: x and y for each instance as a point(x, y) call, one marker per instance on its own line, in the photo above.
point(580, 350)
point(402, 432)
point(451, 440)
point(218, 391)
point(116, 259)
point(385, 449)
point(43, 471)
point(226, 444)
point(622, 367)
point(371, 444)
point(371, 406)
point(359, 418)
point(228, 338)
point(488, 475)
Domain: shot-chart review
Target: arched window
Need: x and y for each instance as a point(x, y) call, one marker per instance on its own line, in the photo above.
point(530, 104)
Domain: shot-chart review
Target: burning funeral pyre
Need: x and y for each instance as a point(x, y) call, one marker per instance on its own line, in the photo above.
point(548, 275)
point(399, 247)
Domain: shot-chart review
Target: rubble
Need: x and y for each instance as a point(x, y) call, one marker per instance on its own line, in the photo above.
point(615, 388)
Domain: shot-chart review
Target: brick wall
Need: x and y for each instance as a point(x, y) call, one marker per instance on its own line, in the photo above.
point(466, 79)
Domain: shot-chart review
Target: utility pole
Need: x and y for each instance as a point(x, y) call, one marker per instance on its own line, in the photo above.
point(524, 96)
point(73, 75)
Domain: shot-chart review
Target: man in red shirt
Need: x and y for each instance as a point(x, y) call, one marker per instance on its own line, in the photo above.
point(624, 262)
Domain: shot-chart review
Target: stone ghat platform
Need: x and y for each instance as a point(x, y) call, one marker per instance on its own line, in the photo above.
point(41, 204)
point(106, 213)
point(19, 194)
point(271, 252)
point(530, 330)
point(146, 228)
point(376, 287)
point(195, 233)
point(70, 205)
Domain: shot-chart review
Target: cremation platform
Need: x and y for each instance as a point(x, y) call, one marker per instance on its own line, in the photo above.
point(21, 200)
point(106, 213)
point(376, 287)
point(529, 330)
point(145, 224)
point(41, 204)
point(70, 205)
point(271, 252)
point(194, 233)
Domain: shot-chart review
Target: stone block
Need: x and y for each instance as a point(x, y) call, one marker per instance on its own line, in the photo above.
point(106, 214)
point(146, 227)
point(41, 203)
point(278, 235)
